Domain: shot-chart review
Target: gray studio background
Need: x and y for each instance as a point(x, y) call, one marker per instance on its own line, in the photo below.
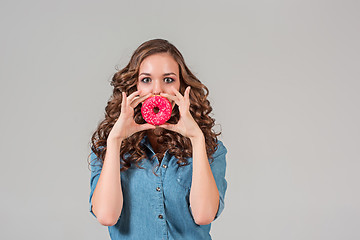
point(284, 85)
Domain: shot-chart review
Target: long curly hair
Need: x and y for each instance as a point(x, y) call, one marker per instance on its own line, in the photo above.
point(125, 80)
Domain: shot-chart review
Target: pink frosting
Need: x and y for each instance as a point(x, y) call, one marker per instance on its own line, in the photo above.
point(164, 114)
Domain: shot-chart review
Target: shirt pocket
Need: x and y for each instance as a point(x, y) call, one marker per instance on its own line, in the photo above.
point(184, 176)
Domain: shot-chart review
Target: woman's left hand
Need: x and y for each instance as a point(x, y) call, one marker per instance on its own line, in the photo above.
point(186, 125)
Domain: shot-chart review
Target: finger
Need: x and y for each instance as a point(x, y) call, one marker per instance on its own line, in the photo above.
point(187, 93)
point(123, 102)
point(171, 97)
point(139, 100)
point(177, 93)
point(133, 95)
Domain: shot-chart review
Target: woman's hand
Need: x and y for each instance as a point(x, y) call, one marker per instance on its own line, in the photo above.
point(186, 125)
point(125, 125)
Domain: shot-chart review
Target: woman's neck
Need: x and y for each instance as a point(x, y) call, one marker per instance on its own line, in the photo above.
point(153, 136)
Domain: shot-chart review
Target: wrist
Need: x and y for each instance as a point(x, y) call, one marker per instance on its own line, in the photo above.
point(114, 139)
point(198, 137)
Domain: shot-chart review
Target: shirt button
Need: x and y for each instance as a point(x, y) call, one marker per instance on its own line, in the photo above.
point(158, 189)
point(161, 216)
point(164, 166)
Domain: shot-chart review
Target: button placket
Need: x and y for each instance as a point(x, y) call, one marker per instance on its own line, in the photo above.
point(160, 196)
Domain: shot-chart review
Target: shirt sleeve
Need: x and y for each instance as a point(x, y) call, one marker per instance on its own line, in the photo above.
point(218, 168)
point(96, 166)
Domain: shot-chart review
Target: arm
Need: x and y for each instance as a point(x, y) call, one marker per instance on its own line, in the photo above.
point(107, 199)
point(204, 195)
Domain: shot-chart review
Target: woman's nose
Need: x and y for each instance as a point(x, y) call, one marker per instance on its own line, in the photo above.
point(157, 88)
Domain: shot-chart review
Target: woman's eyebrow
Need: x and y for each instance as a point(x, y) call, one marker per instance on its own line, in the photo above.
point(165, 74)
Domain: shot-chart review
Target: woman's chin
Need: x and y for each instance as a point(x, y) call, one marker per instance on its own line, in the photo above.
point(158, 131)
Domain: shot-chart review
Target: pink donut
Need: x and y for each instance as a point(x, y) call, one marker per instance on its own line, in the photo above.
point(164, 114)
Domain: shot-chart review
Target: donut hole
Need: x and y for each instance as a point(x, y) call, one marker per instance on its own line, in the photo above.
point(156, 110)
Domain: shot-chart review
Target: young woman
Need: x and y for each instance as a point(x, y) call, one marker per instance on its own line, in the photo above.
point(157, 182)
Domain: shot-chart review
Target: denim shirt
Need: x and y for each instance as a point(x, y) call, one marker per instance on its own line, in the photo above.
point(158, 207)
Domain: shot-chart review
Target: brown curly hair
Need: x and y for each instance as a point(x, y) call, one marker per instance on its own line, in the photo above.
point(125, 80)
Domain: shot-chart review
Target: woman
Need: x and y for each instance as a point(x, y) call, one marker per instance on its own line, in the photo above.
point(157, 182)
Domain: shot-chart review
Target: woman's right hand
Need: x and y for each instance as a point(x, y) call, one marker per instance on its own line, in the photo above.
point(125, 125)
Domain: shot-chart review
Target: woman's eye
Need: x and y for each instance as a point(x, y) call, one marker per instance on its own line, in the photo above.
point(168, 80)
point(145, 80)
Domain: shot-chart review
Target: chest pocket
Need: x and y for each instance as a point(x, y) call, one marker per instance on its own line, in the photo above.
point(184, 175)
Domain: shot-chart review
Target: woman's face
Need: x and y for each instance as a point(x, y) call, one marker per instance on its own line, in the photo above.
point(158, 73)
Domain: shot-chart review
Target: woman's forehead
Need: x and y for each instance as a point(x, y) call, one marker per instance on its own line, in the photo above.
point(162, 62)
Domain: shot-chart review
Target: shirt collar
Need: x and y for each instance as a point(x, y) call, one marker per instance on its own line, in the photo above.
point(145, 141)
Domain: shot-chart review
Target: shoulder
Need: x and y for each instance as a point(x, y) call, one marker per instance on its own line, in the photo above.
point(93, 154)
point(95, 161)
point(219, 156)
point(220, 149)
